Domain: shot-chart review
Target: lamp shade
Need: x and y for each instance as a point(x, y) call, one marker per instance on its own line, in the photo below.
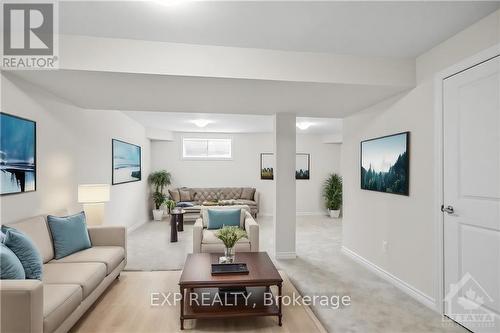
point(93, 193)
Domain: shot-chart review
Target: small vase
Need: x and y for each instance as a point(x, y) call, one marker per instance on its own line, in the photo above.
point(229, 254)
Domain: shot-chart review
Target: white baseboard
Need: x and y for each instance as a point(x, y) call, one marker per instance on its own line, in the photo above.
point(135, 226)
point(400, 284)
point(286, 255)
point(298, 214)
point(311, 213)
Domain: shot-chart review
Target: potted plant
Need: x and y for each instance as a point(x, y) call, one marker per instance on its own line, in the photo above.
point(229, 236)
point(332, 192)
point(159, 179)
point(158, 199)
point(170, 204)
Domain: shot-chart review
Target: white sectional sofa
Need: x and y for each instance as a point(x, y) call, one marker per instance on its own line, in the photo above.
point(69, 285)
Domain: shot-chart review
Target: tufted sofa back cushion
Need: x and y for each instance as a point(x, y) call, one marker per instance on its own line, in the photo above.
point(230, 193)
point(205, 194)
point(201, 194)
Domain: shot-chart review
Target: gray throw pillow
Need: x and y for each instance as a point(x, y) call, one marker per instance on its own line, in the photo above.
point(174, 195)
point(183, 204)
point(247, 193)
point(185, 194)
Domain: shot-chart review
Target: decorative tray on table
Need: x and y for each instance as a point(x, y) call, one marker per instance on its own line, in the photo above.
point(236, 268)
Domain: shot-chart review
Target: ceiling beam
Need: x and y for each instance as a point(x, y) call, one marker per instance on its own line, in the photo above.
point(147, 57)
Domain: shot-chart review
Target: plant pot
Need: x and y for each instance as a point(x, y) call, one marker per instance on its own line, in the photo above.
point(334, 214)
point(157, 214)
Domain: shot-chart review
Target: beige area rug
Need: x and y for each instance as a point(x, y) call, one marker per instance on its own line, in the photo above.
point(126, 307)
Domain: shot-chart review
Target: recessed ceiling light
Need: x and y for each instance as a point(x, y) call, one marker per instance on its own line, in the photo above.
point(201, 122)
point(303, 125)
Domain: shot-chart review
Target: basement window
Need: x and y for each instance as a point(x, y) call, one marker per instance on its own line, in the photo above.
point(206, 149)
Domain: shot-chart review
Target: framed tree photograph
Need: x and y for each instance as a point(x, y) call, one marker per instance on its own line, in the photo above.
point(385, 164)
point(267, 166)
point(126, 162)
point(302, 166)
point(17, 154)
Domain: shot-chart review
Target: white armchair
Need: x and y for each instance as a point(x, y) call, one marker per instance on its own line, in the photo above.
point(204, 240)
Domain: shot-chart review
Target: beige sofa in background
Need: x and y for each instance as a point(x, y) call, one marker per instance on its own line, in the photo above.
point(70, 285)
point(204, 240)
point(233, 195)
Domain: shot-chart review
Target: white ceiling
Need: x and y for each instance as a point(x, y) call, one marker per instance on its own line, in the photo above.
point(392, 29)
point(228, 123)
point(404, 29)
point(141, 92)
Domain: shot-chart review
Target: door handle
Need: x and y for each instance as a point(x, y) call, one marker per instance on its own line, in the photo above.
point(448, 209)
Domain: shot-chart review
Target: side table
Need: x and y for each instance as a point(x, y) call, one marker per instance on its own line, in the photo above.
point(176, 223)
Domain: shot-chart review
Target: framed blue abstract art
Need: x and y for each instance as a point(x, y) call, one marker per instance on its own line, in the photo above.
point(17, 154)
point(126, 162)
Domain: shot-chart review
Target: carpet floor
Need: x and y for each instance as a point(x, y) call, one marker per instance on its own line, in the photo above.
point(320, 269)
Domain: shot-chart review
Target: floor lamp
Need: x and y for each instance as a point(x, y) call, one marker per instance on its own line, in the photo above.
point(93, 197)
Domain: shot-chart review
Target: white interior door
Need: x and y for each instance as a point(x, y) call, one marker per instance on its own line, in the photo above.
point(471, 103)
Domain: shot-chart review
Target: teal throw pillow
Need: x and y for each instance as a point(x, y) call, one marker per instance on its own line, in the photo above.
point(10, 266)
point(26, 251)
point(218, 218)
point(69, 234)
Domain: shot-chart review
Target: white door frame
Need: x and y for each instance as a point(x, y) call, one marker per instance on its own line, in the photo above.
point(483, 56)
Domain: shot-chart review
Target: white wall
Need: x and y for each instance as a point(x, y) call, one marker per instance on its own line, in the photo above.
point(74, 147)
point(244, 169)
point(481, 35)
point(325, 159)
point(406, 223)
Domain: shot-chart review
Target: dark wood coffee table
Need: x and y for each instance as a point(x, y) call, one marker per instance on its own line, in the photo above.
point(196, 279)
